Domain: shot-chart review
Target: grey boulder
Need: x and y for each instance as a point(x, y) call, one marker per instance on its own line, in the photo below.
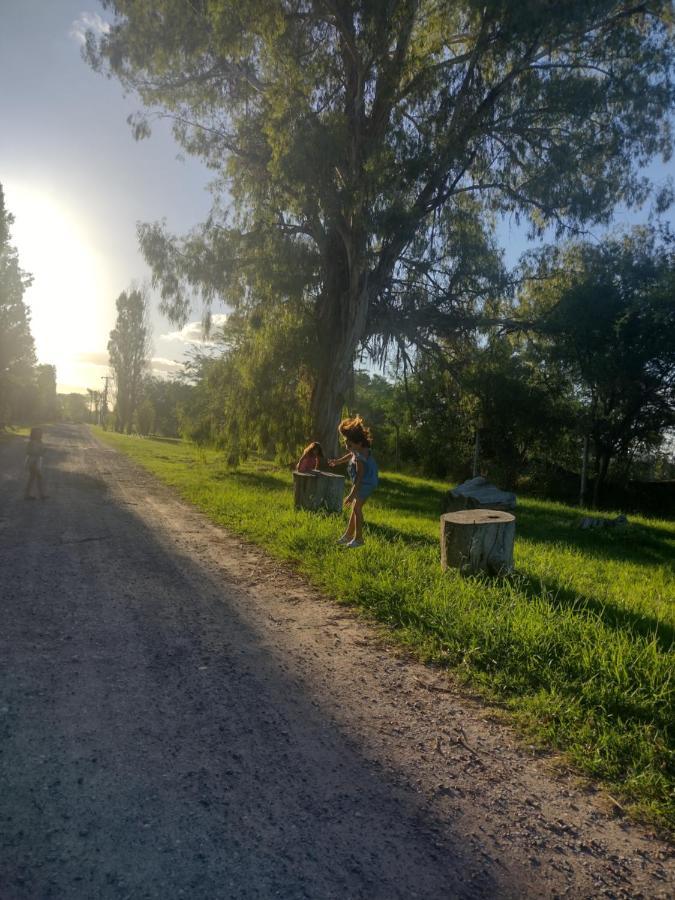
point(478, 493)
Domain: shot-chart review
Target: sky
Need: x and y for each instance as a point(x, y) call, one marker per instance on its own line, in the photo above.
point(77, 184)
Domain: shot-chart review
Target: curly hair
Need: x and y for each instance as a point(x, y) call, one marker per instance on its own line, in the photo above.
point(314, 448)
point(355, 430)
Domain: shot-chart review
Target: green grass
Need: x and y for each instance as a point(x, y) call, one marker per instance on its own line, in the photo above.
point(577, 644)
point(12, 433)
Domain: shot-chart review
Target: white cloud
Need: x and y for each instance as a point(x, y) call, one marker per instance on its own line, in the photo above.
point(99, 358)
point(193, 332)
point(94, 358)
point(88, 21)
point(160, 364)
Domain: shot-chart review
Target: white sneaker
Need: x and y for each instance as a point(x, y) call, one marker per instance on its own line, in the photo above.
point(354, 543)
point(343, 539)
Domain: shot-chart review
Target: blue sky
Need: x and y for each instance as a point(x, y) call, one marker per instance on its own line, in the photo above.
point(77, 183)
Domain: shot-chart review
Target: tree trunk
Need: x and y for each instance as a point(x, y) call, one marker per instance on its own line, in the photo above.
point(584, 472)
point(342, 311)
point(324, 490)
point(476, 453)
point(327, 402)
point(601, 474)
point(478, 541)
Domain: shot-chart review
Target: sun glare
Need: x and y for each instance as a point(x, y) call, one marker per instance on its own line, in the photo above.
point(70, 313)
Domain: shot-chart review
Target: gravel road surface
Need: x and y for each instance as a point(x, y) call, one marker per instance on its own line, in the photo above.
point(181, 716)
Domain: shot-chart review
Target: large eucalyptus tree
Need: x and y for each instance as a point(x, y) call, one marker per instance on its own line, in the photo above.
point(361, 149)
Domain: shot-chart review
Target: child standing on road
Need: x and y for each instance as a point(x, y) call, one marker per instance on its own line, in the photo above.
point(362, 470)
point(310, 459)
point(34, 454)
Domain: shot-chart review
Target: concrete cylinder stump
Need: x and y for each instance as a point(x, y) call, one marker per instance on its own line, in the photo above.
point(320, 490)
point(478, 541)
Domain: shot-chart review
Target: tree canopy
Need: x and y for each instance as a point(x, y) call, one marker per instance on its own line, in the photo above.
point(17, 350)
point(607, 316)
point(361, 151)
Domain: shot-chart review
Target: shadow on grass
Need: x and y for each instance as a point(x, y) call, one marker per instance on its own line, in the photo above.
point(409, 538)
point(9, 437)
point(255, 480)
point(615, 617)
point(422, 498)
point(641, 544)
point(158, 439)
point(635, 543)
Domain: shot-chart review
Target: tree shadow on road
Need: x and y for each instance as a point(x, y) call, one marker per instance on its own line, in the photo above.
point(201, 725)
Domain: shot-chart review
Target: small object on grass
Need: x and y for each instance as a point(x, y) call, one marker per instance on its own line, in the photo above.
point(591, 522)
point(619, 808)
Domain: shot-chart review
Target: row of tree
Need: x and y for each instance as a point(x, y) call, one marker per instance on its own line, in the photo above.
point(584, 356)
point(138, 402)
point(27, 390)
point(362, 154)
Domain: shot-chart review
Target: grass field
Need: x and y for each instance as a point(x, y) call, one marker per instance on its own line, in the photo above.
point(577, 644)
point(13, 432)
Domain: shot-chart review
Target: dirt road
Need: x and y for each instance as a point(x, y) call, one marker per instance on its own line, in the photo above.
point(182, 717)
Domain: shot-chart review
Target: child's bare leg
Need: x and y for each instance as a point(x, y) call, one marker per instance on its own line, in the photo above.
point(348, 533)
point(41, 485)
point(358, 519)
point(351, 526)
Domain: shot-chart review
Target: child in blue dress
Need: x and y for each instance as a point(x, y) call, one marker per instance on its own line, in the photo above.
point(362, 470)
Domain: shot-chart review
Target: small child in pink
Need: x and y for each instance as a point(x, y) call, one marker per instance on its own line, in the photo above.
point(310, 459)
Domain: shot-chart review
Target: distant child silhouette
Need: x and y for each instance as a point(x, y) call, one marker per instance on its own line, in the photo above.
point(34, 454)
